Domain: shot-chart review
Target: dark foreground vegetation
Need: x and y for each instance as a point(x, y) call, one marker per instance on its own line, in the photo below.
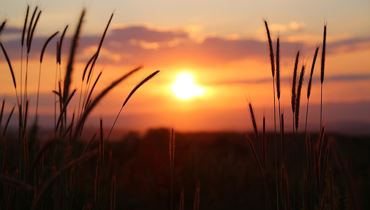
point(220, 165)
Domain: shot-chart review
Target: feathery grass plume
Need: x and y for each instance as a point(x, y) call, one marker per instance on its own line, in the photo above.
point(30, 26)
point(294, 82)
point(99, 97)
point(22, 47)
point(278, 68)
point(10, 66)
point(322, 70)
point(253, 120)
point(60, 45)
point(309, 85)
point(311, 73)
point(2, 26)
point(298, 100)
point(272, 61)
point(8, 120)
point(33, 32)
point(323, 56)
point(45, 186)
point(129, 96)
point(72, 55)
point(41, 59)
point(30, 32)
point(100, 45)
point(25, 26)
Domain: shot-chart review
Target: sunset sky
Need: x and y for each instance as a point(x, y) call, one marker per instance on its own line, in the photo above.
point(221, 44)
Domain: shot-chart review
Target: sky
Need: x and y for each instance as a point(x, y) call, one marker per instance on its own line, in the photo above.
point(222, 45)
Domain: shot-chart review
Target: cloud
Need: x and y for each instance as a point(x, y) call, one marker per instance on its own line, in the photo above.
point(11, 30)
point(134, 45)
point(288, 28)
point(287, 80)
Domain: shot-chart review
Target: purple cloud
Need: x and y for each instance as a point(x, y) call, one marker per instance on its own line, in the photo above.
point(143, 45)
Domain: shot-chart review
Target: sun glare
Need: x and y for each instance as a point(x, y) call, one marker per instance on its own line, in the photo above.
point(185, 87)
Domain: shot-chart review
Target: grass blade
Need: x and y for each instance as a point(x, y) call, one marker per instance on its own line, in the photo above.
point(272, 60)
point(72, 55)
point(294, 84)
point(25, 25)
point(278, 68)
point(298, 101)
point(99, 46)
point(30, 26)
point(60, 44)
point(33, 32)
point(46, 44)
point(311, 73)
point(2, 26)
point(253, 120)
point(99, 97)
point(129, 96)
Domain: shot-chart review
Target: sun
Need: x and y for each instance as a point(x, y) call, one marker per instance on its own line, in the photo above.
point(185, 87)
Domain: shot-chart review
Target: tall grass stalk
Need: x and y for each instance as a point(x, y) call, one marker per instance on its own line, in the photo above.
point(40, 64)
point(31, 30)
point(294, 84)
point(298, 100)
point(272, 61)
point(69, 70)
point(278, 73)
point(322, 71)
point(128, 98)
point(309, 87)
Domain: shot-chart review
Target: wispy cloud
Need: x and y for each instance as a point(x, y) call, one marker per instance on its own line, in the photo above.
point(144, 45)
point(287, 28)
point(287, 80)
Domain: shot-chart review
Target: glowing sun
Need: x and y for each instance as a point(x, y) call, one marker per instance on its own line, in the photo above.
point(185, 87)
